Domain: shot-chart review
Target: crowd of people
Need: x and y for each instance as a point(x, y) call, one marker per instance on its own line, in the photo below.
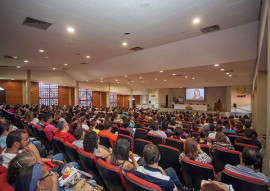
point(80, 126)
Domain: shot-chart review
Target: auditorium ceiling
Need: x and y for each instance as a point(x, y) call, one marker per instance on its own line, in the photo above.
point(162, 29)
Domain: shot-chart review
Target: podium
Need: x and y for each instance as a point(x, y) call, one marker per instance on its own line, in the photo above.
point(218, 106)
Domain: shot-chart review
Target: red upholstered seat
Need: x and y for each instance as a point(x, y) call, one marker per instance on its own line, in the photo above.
point(176, 143)
point(139, 146)
point(71, 151)
point(124, 131)
point(2, 169)
point(112, 176)
point(105, 141)
point(155, 139)
point(135, 183)
point(241, 182)
point(141, 133)
point(129, 138)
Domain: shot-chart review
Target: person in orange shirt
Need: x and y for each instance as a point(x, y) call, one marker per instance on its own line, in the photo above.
point(107, 133)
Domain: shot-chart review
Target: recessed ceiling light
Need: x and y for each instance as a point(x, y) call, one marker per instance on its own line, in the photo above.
point(140, 77)
point(180, 87)
point(124, 43)
point(196, 21)
point(46, 57)
point(101, 81)
point(186, 76)
point(70, 29)
point(41, 50)
point(65, 64)
point(18, 66)
point(117, 82)
point(64, 85)
point(161, 71)
point(164, 80)
point(87, 80)
point(88, 56)
point(173, 74)
point(216, 65)
point(222, 69)
point(25, 61)
point(15, 57)
point(227, 73)
point(193, 78)
point(132, 81)
point(230, 75)
point(54, 68)
point(101, 78)
point(12, 78)
point(125, 76)
point(156, 79)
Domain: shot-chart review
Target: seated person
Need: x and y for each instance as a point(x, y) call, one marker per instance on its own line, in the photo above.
point(36, 177)
point(49, 128)
point(93, 126)
point(79, 136)
point(63, 132)
point(250, 157)
point(203, 138)
point(126, 125)
point(222, 142)
point(3, 136)
point(193, 151)
point(107, 132)
point(18, 142)
point(35, 119)
point(179, 134)
point(151, 172)
point(156, 131)
point(249, 139)
point(91, 145)
point(120, 155)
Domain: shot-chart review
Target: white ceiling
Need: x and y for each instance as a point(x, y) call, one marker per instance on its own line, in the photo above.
point(162, 27)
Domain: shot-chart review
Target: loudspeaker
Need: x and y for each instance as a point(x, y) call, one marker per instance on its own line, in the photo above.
point(234, 105)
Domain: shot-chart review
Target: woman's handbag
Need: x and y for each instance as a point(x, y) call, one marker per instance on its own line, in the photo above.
point(84, 185)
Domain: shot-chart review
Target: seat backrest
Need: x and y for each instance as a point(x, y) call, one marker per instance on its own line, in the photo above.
point(233, 137)
point(155, 139)
point(135, 183)
point(111, 175)
point(171, 161)
point(141, 133)
point(118, 124)
point(129, 138)
point(105, 141)
point(205, 148)
point(59, 143)
point(193, 172)
point(240, 146)
point(71, 151)
point(176, 143)
point(5, 186)
point(115, 128)
point(225, 156)
point(241, 182)
point(44, 139)
point(139, 146)
point(124, 131)
point(88, 161)
point(100, 126)
point(195, 134)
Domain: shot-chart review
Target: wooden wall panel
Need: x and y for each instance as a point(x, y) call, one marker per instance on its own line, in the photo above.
point(126, 101)
point(63, 95)
point(14, 93)
point(96, 99)
point(72, 96)
point(120, 100)
point(137, 99)
point(103, 99)
point(34, 93)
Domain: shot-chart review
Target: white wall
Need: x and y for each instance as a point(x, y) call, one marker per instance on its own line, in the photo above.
point(241, 96)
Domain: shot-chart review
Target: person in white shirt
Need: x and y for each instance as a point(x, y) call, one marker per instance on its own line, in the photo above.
point(79, 136)
point(156, 131)
point(83, 123)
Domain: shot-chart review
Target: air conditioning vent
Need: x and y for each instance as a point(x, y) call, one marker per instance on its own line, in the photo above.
point(137, 48)
point(84, 63)
point(210, 29)
point(9, 57)
point(36, 23)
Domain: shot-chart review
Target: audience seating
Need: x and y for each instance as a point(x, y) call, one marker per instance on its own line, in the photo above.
point(2, 169)
point(129, 138)
point(205, 148)
point(225, 156)
point(147, 128)
point(5, 186)
point(141, 134)
point(139, 146)
point(135, 183)
point(88, 161)
point(124, 131)
point(118, 124)
point(176, 143)
point(169, 158)
point(100, 126)
point(195, 134)
point(233, 138)
point(44, 139)
point(112, 176)
point(72, 153)
point(105, 141)
point(155, 139)
point(193, 172)
point(115, 128)
point(241, 182)
point(59, 143)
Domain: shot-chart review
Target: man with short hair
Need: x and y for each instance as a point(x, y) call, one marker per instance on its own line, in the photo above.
point(49, 128)
point(249, 139)
point(107, 133)
point(249, 158)
point(156, 131)
point(151, 172)
point(63, 132)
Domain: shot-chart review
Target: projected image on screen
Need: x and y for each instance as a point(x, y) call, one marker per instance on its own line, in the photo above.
point(195, 94)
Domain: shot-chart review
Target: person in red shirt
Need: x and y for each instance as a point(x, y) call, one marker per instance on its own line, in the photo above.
point(63, 132)
point(107, 133)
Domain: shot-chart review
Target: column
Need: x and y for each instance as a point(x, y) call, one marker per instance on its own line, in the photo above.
point(69, 96)
point(130, 99)
point(76, 93)
point(108, 96)
point(28, 88)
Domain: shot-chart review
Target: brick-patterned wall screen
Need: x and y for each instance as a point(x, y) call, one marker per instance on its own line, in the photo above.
point(14, 93)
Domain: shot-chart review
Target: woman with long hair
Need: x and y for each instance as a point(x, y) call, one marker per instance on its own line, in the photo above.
point(193, 151)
